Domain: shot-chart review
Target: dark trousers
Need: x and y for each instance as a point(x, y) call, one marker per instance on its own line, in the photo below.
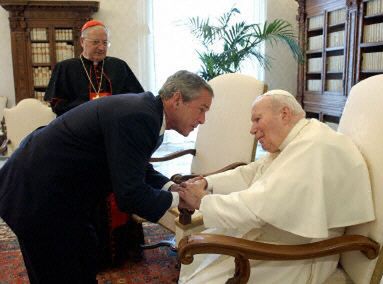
point(60, 257)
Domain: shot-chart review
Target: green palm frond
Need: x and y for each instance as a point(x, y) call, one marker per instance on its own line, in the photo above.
point(279, 31)
point(237, 42)
point(226, 17)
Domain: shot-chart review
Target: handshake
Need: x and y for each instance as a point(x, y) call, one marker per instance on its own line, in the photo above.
point(191, 192)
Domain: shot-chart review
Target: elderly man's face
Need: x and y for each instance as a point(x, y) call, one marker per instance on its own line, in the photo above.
point(268, 125)
point(95, 45)
point(188, 115)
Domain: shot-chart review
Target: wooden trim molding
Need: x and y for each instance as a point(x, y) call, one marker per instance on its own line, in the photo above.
point(93, 6)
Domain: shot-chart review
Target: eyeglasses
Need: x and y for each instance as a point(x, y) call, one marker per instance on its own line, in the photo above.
point(97, 42)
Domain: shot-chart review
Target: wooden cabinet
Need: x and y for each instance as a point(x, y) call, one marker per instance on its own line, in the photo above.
point(343, 44)
point(42, 34)
point(370, 40)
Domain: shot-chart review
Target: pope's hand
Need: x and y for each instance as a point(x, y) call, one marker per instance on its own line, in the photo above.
point(193, 192)
point(197, 182)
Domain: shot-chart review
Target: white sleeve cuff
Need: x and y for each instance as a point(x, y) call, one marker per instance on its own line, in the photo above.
point(176, 199)
point(209, 187)
point(167, 185)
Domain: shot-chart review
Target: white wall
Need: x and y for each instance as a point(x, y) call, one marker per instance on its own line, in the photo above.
point(284, 69)
point(128, 33)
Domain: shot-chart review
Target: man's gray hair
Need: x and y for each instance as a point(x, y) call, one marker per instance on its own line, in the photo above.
point(187, 83)
point(98, 27)
point(280, 99)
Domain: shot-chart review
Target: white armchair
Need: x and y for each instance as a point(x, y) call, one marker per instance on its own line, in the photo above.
point(22, 119)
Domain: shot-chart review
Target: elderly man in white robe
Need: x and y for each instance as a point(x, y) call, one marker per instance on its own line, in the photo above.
point(312, 183)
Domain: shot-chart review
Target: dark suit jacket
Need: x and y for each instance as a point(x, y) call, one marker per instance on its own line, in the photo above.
point(60, 172)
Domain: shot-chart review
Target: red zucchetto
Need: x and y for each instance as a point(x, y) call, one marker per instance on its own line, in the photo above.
point(91, 23)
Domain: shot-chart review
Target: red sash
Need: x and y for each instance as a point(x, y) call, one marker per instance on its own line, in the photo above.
point(118, 218)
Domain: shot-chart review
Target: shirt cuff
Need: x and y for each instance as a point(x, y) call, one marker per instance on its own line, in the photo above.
point(167, 185)
point(176, 199)
point(209, 187)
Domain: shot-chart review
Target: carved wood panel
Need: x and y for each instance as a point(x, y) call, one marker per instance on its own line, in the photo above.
point(320, 101)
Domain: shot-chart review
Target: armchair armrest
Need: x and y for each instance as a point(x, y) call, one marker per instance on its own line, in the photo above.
point(178, 178)
point(174, 155)
point(227, 168)
point(243, 250)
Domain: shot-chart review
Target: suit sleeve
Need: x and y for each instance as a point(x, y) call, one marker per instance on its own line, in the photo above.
point(155, 178)
point(129, 144)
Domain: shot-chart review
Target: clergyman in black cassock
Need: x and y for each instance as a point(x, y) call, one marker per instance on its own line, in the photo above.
point(92, 75)
point(70, 87)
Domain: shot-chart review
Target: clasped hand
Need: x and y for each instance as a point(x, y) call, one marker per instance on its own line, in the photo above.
point(191, 193)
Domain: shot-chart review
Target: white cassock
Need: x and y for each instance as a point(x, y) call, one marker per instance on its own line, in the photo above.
point(314, 187)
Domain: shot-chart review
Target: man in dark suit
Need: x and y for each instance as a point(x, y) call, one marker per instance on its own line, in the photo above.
point(51, 184)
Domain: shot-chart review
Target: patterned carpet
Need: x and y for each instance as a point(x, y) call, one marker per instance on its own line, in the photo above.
point(158, 266)
point(12, 269)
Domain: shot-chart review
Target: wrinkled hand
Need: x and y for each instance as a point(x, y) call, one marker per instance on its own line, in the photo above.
point(193, 192)
point(194, 179)
point(197, 182)
point(183, 205)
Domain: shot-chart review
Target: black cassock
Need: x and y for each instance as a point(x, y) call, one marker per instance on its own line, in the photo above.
point(69, 85)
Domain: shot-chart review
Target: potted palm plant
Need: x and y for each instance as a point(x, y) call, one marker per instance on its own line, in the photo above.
point(227, 44)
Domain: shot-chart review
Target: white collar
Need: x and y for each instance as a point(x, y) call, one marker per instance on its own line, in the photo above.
point(293, 132)
point(163, 126)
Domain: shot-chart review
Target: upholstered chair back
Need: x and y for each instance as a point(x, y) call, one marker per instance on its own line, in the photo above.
point(362, 120)
point(25, 117)
point(225, 137)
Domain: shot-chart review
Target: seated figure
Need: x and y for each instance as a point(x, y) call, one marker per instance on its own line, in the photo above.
point(312, 183)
